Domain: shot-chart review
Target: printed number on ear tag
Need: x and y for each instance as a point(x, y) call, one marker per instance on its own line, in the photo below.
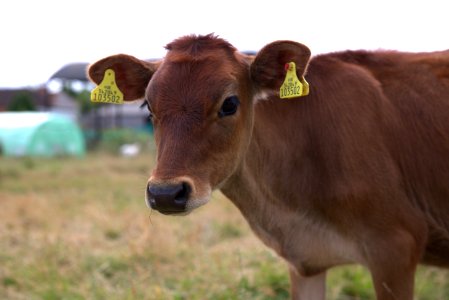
point(292, 86)
point(107, 91)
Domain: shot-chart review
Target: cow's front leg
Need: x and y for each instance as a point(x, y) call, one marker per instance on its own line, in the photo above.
point(392, 259)
point(307, 288)
point(394, 279)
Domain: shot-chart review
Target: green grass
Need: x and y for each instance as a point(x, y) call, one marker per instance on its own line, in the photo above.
point(79, 229)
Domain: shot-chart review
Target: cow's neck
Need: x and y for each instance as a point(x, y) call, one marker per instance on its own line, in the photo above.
point(277, 161)
point(262, 186)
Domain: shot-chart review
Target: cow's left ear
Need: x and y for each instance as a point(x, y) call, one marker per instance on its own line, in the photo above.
point(268, 69)
point(132, 75)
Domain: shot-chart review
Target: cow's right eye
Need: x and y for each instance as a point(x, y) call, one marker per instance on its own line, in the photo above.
point(145, 103)
point(229, 106)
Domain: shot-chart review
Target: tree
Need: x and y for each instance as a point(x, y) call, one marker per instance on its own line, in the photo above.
point(23, 101)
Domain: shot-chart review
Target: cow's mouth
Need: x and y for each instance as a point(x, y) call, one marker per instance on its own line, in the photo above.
point(173, 210)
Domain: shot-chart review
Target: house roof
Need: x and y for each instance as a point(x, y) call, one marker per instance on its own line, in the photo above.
point(73, 71)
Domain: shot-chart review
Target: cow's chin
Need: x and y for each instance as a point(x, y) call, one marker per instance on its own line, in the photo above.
point(191, 206)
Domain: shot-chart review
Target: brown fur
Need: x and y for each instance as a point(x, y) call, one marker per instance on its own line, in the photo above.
point(355, 172)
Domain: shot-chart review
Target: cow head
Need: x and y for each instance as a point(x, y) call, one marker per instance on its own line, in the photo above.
point(200, 98)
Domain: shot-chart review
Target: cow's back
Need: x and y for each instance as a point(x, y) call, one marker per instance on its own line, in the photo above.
point(416, 127)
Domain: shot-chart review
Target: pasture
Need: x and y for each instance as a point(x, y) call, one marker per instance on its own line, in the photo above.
point(79, 229)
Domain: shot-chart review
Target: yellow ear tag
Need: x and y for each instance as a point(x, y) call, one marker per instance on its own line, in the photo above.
point(107, 91)
point(292, 86)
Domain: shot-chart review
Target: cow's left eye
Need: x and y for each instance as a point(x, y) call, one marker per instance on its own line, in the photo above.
point(229, 106)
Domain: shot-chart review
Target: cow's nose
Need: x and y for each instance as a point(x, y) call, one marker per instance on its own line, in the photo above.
point(168, 198)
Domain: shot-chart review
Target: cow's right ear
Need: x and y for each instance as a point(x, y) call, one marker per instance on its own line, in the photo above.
point(268, 68)
point(132, 75)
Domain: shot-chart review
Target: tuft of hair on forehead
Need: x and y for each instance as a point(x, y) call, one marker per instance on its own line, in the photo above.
point(196, 44)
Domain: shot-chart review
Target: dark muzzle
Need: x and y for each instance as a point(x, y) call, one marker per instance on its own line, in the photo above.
point(168, 198)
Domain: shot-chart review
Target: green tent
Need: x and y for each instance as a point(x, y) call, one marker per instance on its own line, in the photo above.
point(39, 134)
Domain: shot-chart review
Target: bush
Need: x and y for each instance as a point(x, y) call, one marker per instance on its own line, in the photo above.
point(22, 102)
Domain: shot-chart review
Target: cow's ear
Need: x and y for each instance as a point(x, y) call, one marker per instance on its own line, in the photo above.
point(132, 75)
point(268, 69)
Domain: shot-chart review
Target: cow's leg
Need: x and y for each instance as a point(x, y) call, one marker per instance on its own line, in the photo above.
point(394, 283)
point(307, 288)
point(392, 261)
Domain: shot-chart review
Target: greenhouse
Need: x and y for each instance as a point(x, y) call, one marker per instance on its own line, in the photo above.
point(39, 134)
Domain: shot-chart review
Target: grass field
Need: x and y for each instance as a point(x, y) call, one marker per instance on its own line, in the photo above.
point(79, 229)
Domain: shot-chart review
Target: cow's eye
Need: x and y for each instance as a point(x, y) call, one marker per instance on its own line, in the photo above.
point(229, 106)
point(145, 103)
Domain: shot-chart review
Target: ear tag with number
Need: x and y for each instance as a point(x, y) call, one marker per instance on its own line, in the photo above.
point(107, 91)
point(292, 86)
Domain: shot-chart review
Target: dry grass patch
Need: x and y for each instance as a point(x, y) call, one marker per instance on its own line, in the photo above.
point(79, 229)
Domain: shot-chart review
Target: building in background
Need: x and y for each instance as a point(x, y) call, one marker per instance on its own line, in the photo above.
point(13, 98)
point(67, 93)
point(74, 84)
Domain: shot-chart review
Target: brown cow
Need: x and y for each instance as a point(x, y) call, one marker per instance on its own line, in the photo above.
point(355, 172)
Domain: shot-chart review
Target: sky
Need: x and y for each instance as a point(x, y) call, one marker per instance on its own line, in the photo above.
point(38, 37)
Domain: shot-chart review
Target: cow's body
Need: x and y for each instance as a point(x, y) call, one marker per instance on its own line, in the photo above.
point(355, 172)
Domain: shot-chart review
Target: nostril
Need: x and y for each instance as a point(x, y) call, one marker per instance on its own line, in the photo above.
point(151, 200)
point(183, 195)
